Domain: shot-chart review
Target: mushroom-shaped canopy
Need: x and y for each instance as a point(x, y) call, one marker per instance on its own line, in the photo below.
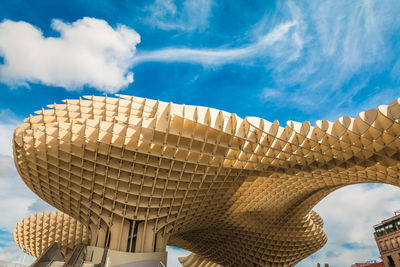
point(35, 233)
point(191, 176)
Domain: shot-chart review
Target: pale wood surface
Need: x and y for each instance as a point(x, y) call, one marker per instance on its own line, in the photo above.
point(235, 191)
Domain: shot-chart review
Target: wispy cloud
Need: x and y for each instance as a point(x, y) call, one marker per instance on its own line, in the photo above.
point(270, 94)
point(188, 16)
point(345, 44)
point(89, 52)
point(341, 36)
point(313, 53)
point(218, 56)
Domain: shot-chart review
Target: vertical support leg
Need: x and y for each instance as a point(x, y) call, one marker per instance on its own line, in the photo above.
point(119, 234)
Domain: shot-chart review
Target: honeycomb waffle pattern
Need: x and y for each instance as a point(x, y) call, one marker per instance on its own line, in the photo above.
point(192, 176)
point(35, 233)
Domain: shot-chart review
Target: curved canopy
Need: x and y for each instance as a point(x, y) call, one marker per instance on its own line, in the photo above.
point(232, 190)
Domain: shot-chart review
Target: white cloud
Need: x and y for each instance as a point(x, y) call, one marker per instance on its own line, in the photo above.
point(16, 199)
point(16, 202)
point(6, 133)
point(260, 48)
point(13, 254)
point(192, 15)
point(12, 188)
point(349, 215)
point(40, 206)
point(88, 52)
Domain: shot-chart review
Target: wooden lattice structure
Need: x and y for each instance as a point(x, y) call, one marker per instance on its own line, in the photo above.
point(142, 173)
point(35, 233)
point(194, 260)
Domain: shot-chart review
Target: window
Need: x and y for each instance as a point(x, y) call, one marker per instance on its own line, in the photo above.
point(380, 231)
point(391, 262)
point(390, 228)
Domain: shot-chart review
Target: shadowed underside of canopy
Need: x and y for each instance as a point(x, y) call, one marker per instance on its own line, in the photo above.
point(194, 260)
point(142, 173)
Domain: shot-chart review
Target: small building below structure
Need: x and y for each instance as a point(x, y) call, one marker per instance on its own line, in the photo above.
point(387, 237)
point(368, 264)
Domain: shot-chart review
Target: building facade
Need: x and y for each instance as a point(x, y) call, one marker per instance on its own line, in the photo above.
point(387, 236)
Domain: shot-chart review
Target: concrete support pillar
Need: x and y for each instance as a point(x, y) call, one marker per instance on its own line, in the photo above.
point(124, 236)
point(101, 238)
point(149, 237)
point(139, 238)
point(115, 230)
point(93, 234)
point(119, 234)
point(145, 237)
point(160, 242)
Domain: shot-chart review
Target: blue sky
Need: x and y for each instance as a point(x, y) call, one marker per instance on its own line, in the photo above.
point(279, 60)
